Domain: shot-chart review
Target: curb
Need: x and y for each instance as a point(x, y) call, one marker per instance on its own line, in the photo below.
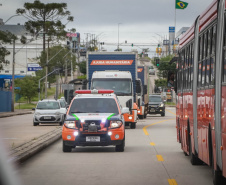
point(29, 149)
point(14, 114)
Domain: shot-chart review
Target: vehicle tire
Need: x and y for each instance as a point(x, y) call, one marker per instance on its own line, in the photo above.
point(193, 158)
point(145, 115)
point(218, 179)
point(133, 125)
point(120, 148)
point(163, 114)
point(66, 148)
point(61, 123)
point(35, 123)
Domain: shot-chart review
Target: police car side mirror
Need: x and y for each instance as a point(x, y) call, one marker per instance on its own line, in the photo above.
point(125, 110)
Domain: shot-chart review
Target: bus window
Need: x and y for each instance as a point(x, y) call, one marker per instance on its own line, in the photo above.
point(212, 68)
point(203, 72)
point(209, 42)
point(208, 72)
point(200, 48)
point(204, 45)
point(224, 64)
point(200, 75)
point(213, 39)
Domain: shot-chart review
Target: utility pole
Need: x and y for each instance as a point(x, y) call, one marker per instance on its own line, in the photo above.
point(66, 71)
point(46, 73)
point(13, 74)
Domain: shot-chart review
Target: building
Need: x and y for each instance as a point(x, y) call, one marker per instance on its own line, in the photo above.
point(25, 53)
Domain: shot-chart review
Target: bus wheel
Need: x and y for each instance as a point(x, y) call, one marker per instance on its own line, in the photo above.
point(218, 179)
point(193, 158)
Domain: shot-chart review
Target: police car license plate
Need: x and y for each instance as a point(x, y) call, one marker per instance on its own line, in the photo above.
point(92, 138)
point(47, 117)
point(152, 110)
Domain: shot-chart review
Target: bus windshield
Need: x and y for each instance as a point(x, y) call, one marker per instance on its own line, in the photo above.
point(120, 86)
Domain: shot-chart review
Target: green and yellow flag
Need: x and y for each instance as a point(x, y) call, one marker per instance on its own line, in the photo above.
point(181, 4)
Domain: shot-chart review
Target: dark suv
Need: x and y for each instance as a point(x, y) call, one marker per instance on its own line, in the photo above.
point(156, 105)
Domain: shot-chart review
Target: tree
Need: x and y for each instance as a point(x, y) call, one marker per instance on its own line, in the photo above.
point(82, 67)
point(59, 61)
point(28, 87)
point(165, 66)
point(160, 82)
point(46, 18)
point(5, 37)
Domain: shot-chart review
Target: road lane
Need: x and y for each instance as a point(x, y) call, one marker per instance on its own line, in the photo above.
point(137, 165)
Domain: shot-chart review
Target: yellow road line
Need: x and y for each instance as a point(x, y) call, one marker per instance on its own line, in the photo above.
point(171, 112)
point(172, 182)
point(160, 158)
point(145, 128)
point(152, 144)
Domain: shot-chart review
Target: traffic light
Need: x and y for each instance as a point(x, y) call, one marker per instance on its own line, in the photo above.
point(157, 50)
point(160, 51)
point(132, 44)
point(157, 62)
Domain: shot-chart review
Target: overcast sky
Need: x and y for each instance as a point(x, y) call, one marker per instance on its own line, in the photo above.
point(142, 21)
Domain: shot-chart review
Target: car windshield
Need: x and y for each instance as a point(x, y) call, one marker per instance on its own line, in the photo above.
point(94, 105)
point(48, 105)
point(62, 104)
point(155, 99)
point(120, 86)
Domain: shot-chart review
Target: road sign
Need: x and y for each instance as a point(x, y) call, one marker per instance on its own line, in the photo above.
point(172, 29)
point(33, 67)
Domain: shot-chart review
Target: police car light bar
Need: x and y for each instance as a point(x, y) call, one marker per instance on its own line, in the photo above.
point(94, 91)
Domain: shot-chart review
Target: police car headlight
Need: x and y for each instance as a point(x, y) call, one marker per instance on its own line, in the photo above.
point(37, 114)
point(70, 124)
point(115, 124)
point(161, 105)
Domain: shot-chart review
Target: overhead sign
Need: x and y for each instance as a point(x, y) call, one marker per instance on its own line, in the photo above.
point(33, 67)
point(111, 62)
point(172, 29)
point(71, 35)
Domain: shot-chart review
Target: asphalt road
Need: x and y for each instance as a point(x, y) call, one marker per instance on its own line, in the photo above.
point(152, 156)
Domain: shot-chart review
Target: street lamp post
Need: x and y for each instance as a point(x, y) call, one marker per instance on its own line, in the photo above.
point(13, 74)
point(118, 35)
point(10, 18)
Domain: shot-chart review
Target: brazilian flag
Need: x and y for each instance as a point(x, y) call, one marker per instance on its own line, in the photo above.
point(181, 4)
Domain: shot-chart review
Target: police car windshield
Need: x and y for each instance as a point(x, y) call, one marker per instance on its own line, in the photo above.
point(120, 86)
point(94, 105)
point(48, 105)
point(155, 99)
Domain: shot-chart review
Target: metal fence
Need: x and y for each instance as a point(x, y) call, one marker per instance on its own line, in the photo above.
point(5, 100)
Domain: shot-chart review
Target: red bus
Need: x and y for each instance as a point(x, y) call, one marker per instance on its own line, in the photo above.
point(201, 90)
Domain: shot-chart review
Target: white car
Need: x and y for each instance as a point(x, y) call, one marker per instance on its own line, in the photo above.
point(63, 107)
point(48, 111)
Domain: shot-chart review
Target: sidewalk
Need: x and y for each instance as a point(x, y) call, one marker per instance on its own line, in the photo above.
point(16, 112)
